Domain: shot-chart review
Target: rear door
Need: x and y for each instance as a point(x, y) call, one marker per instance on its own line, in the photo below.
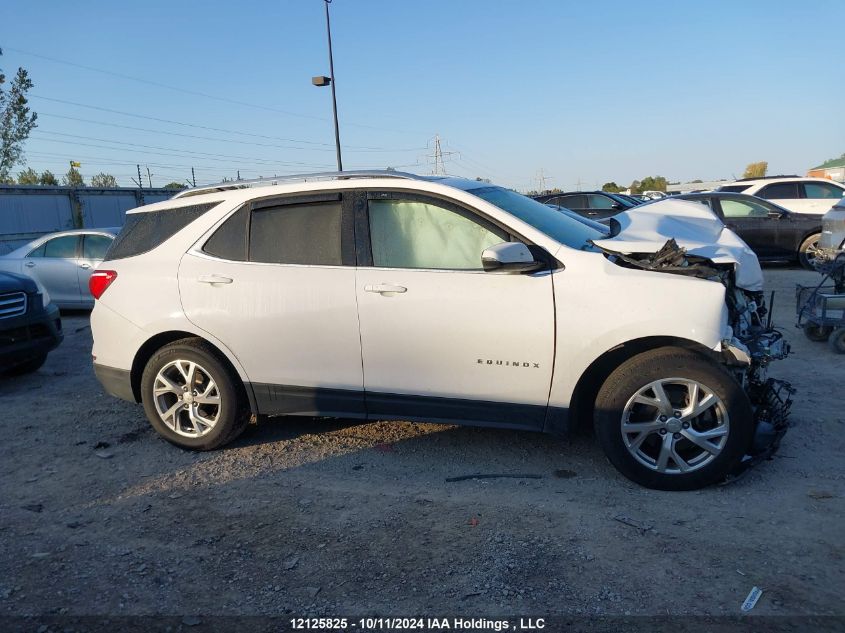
point(275, 283)
point(599, 206)
point(785, 194)
point(752, 222)
point(442, 339)
point(54, 264)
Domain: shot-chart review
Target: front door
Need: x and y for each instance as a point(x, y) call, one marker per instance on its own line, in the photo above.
point(442, 339)
point(276, 285)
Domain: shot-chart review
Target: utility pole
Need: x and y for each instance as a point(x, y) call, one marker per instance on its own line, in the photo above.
point(578, 184)
point(193, 177)
point(149, 177)
point(239, 174)
point(542, 179)
point(334, 96)
point(140, 182)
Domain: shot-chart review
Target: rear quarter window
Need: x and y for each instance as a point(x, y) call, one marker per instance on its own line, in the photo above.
point(145, 231)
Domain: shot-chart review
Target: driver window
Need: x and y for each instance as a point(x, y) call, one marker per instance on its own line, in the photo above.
point(737, 209)
point(413, 234)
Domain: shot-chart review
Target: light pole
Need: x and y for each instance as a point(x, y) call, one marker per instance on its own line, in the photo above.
point(329, 81)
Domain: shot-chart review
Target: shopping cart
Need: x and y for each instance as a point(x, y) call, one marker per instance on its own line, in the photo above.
point(821, 308)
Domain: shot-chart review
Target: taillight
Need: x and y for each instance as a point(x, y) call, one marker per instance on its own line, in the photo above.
point(100, 280)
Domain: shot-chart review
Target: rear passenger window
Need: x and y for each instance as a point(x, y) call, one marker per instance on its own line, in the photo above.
point(142, 232)
point(779, 191)
point(296, 234)
point(822, 190)
point(229, 241)
point(62, 247)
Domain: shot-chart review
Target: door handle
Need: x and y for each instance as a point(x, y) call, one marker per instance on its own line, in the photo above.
point(30, 264)
point(385, 288)
point(214, 279)
point(85, 266)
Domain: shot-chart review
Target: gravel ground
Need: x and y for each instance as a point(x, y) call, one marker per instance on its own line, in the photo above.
point(314, 517)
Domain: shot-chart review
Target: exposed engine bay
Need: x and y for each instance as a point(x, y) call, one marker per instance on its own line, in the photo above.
point(709, 250)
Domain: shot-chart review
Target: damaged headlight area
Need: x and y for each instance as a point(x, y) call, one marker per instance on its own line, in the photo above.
point(754, 343)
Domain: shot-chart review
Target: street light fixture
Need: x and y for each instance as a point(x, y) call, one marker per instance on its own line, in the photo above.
point(329, 81)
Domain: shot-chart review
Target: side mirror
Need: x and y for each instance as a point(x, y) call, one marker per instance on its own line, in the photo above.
point(775, 214)
point(509, 257)
point(616, 206)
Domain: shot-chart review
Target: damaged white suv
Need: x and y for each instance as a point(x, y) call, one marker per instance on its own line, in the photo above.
point(381, 295)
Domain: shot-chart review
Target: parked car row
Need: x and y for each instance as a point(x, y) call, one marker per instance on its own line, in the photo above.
point(775, 232)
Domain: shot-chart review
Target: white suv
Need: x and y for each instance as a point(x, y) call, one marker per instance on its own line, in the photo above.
point(381, 295)
point(801, 195)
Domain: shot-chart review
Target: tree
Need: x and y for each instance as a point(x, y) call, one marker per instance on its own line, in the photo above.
point(611, 187)
point(649, 183)
point(175, 185)
point(28, 177)
point(103, 180)
point(756, 170)
point(73, 178)
point(47, 178)
point(16, 120)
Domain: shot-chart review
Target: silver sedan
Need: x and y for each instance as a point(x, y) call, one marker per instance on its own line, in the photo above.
point(62, 263)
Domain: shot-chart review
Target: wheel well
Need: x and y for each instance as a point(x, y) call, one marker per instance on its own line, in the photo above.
point(587, 387)
point(150, 347)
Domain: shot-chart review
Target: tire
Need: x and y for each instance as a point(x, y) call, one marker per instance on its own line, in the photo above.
point(817, 333)
point(727, 421)
point(837, 340)
point(27, 367)
point(807, 250)
point(217, 416)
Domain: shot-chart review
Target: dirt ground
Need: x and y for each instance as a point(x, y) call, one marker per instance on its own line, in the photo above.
point(98, 515)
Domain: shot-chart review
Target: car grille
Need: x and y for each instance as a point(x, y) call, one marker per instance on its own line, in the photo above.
point(12, 304)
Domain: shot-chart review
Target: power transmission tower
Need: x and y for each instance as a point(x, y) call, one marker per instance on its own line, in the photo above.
point(439, 165)
point(541, 177)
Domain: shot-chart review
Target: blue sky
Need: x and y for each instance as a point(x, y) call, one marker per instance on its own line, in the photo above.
point(587, 91)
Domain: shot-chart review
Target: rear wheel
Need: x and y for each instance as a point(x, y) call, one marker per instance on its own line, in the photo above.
point(817, 333)
point(672, 419)
point(807, 251)
point(191, 397)
point(837, 340)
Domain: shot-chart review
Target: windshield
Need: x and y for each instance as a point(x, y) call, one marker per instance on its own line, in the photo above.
point(559, 226)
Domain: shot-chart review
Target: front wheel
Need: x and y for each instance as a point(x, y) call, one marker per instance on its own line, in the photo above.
point(808, 250)
point(817, 333)
point(672, 419)
point(191, 397)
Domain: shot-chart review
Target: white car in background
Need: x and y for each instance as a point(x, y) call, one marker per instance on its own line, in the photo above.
point(381, 295)
point(801, 195)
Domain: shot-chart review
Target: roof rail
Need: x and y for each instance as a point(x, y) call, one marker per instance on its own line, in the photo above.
point(279, 180)
point(769, 177)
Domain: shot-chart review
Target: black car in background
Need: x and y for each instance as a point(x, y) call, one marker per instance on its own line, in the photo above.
point(774, 234)
point(29, 329)
point(596, 205)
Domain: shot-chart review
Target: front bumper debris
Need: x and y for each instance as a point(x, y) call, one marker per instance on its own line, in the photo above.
point(772, 401)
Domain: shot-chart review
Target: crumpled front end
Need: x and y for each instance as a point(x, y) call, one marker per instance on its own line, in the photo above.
point(753, 342)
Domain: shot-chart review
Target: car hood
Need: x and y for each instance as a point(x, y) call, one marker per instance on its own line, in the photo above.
point(12, 282)
point(694, 227)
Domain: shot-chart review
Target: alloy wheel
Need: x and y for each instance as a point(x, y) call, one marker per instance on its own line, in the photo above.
point(186, 398)
point(675, 425)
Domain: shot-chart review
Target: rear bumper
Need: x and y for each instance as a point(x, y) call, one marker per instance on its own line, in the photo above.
point(115, 382)
point(28, 336)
